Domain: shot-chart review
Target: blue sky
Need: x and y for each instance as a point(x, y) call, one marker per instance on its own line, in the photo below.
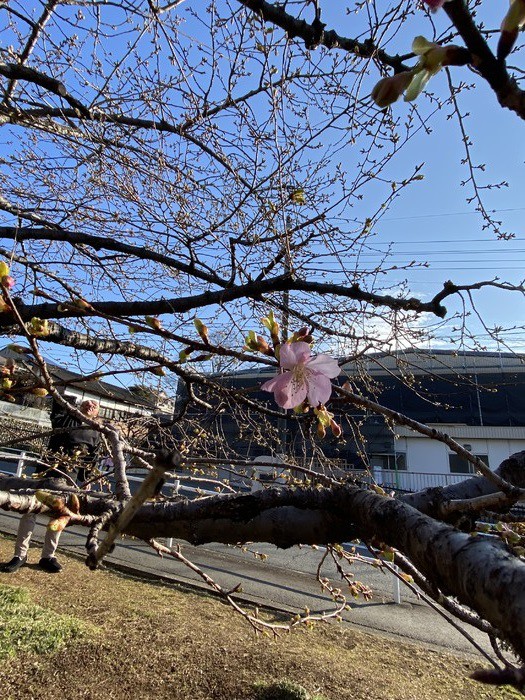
point(432, 221)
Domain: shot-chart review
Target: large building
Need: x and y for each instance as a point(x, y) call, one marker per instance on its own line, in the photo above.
point(478, 398)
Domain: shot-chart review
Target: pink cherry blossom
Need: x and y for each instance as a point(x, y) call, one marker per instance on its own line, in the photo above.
point(303, 376)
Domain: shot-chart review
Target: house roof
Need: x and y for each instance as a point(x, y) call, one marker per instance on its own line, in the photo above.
point(102, 389)
point(420, 361)
point(65, 377)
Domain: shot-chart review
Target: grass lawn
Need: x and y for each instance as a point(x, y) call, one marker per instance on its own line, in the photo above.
point(104, 636)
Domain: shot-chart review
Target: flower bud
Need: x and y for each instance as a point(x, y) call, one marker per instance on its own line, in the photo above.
point(8, 282)
point(297, 196)
point(202, 330)
point(337, 431)
point(82, 304)
point(38, 327)
point(435, 5)
point(250, 342)
point(158, 371)
point(262, 345)
point(153, 322)
point(3, 306)
point(512, 22)
point(390, 89)
point(184, 354)
point(271, 324)
point(457, 56)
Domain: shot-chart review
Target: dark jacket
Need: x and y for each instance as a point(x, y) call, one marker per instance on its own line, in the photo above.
point(74, 436)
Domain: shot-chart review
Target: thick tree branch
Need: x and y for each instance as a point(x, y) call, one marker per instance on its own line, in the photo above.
point(435, 501)
point(75, 238)
point(315, 35)
point(15, 71)
point(495, 72)
point(253, 290)
point(480, 573)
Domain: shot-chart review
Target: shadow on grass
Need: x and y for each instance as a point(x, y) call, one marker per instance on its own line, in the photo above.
point(283, 690)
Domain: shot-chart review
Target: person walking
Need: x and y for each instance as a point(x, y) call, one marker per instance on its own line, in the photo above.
point(72, 438)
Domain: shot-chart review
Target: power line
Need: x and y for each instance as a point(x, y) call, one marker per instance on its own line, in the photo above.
point(454, 213)
point(449, 240)
point(418, 266)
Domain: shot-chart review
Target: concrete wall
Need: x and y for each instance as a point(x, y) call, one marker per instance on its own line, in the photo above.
point(432, 457)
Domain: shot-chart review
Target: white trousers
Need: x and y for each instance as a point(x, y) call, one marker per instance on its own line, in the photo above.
point(25, 532)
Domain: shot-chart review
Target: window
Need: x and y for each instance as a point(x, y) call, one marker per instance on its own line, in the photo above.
point(395, 462)
point(459, 465)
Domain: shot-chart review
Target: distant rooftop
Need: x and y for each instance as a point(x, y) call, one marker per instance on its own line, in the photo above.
point(421, 361)
point(65, 377)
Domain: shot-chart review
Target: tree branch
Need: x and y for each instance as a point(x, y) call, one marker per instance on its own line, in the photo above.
point(75, 238)
point(315, 35)
point(505, 87)
point(15, 71)
point(252, 289)
point(480, 573)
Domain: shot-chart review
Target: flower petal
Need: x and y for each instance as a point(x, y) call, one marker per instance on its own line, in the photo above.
point(420, 45)
point(319, 389)
point(270, 384)
point(288, 392)
point(417, 85)
point(324, 364)
point(292, 354)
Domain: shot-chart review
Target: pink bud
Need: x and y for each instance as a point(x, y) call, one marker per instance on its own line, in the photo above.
point(512, 22)
point(435, 5)
point(337, 431)
point(8, 282)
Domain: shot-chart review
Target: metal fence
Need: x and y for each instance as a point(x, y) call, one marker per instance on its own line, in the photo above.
point(20, 463)
point(400, 480)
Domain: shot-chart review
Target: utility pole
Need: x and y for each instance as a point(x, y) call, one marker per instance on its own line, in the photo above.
point(288, 269)
point(285, 318)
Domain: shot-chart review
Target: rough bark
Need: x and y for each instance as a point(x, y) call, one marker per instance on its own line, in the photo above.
point(480, 573)
point(432, 500)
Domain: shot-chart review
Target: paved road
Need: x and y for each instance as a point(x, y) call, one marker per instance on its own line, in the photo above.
point(285, 581)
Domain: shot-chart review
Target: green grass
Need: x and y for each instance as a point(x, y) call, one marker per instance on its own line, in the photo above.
point(26, 627)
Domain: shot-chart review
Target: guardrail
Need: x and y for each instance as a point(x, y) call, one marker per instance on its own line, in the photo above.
point(22, 460)
point(401, 480)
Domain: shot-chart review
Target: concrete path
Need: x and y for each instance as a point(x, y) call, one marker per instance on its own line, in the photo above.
point(285, 581)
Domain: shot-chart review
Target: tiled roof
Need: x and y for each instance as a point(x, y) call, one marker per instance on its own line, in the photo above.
point(65, 377)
